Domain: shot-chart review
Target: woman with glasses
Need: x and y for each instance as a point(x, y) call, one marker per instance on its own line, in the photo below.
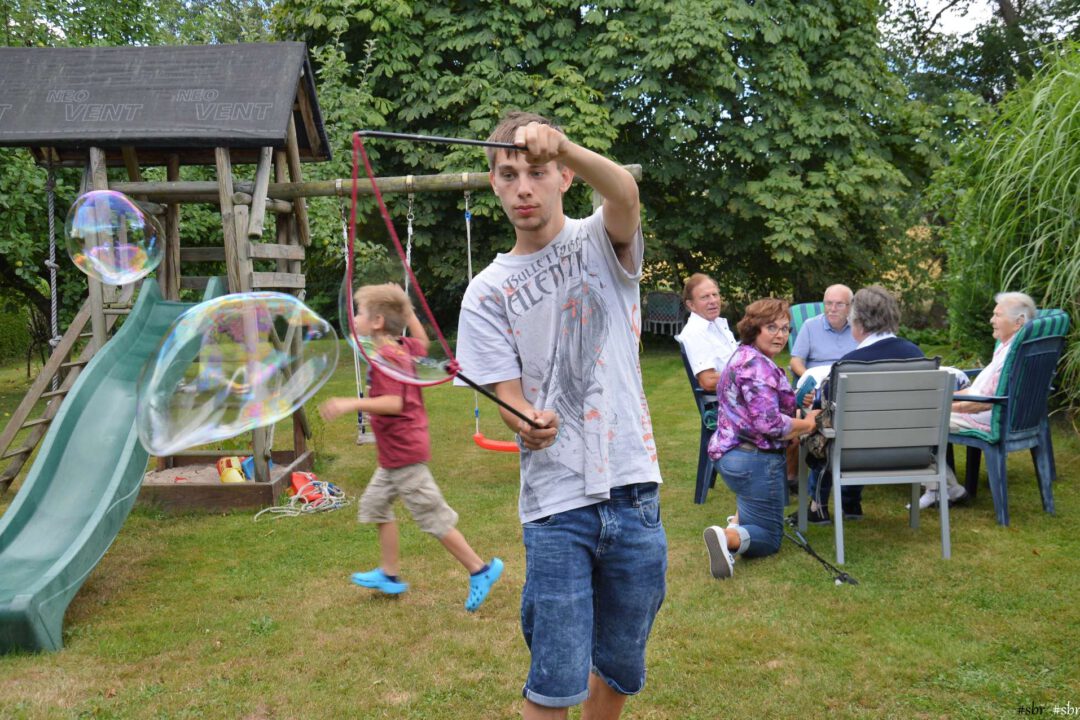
point(755, 421)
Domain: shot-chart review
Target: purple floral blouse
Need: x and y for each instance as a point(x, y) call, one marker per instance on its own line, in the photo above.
point(756, 403)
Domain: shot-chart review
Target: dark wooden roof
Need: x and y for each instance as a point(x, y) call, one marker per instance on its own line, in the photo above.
point(185, 100)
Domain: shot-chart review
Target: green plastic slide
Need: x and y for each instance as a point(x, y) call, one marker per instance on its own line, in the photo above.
point(82, 485)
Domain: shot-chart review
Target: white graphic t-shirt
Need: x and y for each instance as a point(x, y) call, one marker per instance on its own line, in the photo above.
point(566, 320)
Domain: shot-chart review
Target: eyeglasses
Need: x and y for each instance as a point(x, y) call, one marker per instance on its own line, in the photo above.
point(777, 329)
point(836, 304)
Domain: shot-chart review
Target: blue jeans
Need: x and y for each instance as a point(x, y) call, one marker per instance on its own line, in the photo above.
point(594, 581)
point(759, 481)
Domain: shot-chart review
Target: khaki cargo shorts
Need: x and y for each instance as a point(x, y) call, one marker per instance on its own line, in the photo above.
point(417, 490)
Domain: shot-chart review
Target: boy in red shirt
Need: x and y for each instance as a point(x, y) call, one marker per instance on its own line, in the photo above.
point(400, 423)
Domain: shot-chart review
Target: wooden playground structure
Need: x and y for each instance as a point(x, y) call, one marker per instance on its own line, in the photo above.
point(171, 107)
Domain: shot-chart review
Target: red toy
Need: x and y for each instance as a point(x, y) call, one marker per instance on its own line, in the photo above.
point(303, 484)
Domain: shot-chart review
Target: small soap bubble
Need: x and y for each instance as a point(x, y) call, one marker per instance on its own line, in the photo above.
point(111, 238)
point(230, 365)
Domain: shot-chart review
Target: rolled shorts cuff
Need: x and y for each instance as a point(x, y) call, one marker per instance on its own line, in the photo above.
point(555, 702)
point(615, 686)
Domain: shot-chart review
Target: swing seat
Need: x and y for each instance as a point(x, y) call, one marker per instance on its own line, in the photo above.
point(496, 445)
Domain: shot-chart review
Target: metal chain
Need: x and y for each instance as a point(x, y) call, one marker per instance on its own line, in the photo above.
point(409, 217)
point(54, 341)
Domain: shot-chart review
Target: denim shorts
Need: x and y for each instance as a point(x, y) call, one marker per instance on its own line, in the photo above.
point(594, 581)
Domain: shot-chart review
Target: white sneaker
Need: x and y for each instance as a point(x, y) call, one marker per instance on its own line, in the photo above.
point(721, 562)
point(928, 499)
point(957, 493)
point(732, 520)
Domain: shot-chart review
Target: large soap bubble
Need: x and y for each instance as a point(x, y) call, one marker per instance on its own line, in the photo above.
point(110, 238)
point(230, 365)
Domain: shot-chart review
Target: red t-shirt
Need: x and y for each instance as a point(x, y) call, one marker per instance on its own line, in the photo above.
point(401, 439)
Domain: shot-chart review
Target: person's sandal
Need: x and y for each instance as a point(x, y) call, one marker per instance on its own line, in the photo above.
point(480, 584)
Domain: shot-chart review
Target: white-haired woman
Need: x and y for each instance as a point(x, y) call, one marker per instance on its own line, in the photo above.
point(1011, 311)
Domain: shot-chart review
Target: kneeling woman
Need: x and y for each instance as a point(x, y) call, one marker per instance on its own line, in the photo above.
point(755, 420)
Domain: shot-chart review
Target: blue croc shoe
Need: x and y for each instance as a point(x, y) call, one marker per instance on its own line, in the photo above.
point(480, 584)
point(377, 580)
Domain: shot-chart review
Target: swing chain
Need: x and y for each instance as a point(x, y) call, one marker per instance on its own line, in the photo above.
point(409, 217)
point(468, 233)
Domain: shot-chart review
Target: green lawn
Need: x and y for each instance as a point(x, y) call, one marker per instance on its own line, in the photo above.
point(216, 616)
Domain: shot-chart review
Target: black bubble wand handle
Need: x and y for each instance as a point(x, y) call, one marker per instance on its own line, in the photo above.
point(436, 139)
point(498, 401)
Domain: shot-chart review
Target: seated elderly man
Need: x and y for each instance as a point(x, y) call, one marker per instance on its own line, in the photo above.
point(706, 338)
point(1011, 311)
point(874, 319)
point(824, 339)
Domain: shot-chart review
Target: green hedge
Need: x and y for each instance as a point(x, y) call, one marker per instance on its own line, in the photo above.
point(14, 336)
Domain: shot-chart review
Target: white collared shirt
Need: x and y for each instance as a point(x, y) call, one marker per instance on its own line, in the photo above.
point(708, 345)
point(876, 337)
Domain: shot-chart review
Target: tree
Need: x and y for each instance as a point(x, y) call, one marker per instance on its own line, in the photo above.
point(986, 62)
point(24, 217)
point(773, 139)
point(1012, 199)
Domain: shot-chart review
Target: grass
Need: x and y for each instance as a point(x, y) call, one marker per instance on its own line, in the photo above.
point(214, 616)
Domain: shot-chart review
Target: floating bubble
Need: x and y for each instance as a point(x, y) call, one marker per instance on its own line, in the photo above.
point(230, 365)
point(110, 238)
point(377, 329)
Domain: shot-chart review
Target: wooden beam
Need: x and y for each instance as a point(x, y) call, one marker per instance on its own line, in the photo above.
point(268, 251)
point(199, 191)
point(292, 154)
point(258, 196)
point(202, 254)
point(170, 275)
point(99, 180)
point(278, 207)
point(307, 114)
point(228, 218)
point(263, 280)
point(194, 282)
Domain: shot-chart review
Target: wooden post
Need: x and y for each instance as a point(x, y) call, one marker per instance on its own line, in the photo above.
point(228, 218)
point(258, 195)
point(281, 222)
point(99, 180)
point(169, 277)
point(234, 224)
point(292, 151)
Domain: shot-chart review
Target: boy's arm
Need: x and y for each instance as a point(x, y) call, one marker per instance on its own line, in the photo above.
point(416, 328)
point(622, 206)
point(509, 391)
point(382, 405)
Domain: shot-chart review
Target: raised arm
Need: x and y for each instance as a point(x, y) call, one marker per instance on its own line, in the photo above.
point(416, 328)
point(622, 206)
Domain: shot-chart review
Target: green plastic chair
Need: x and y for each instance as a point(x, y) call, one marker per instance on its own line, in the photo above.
point(706, 405)
point(799, 315)
point(1019, 420)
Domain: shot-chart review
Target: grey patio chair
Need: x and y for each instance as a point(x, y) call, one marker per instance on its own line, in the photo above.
point(890, 427)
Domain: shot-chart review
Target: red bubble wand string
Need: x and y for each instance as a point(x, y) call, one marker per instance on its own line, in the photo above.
point(359, 153)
